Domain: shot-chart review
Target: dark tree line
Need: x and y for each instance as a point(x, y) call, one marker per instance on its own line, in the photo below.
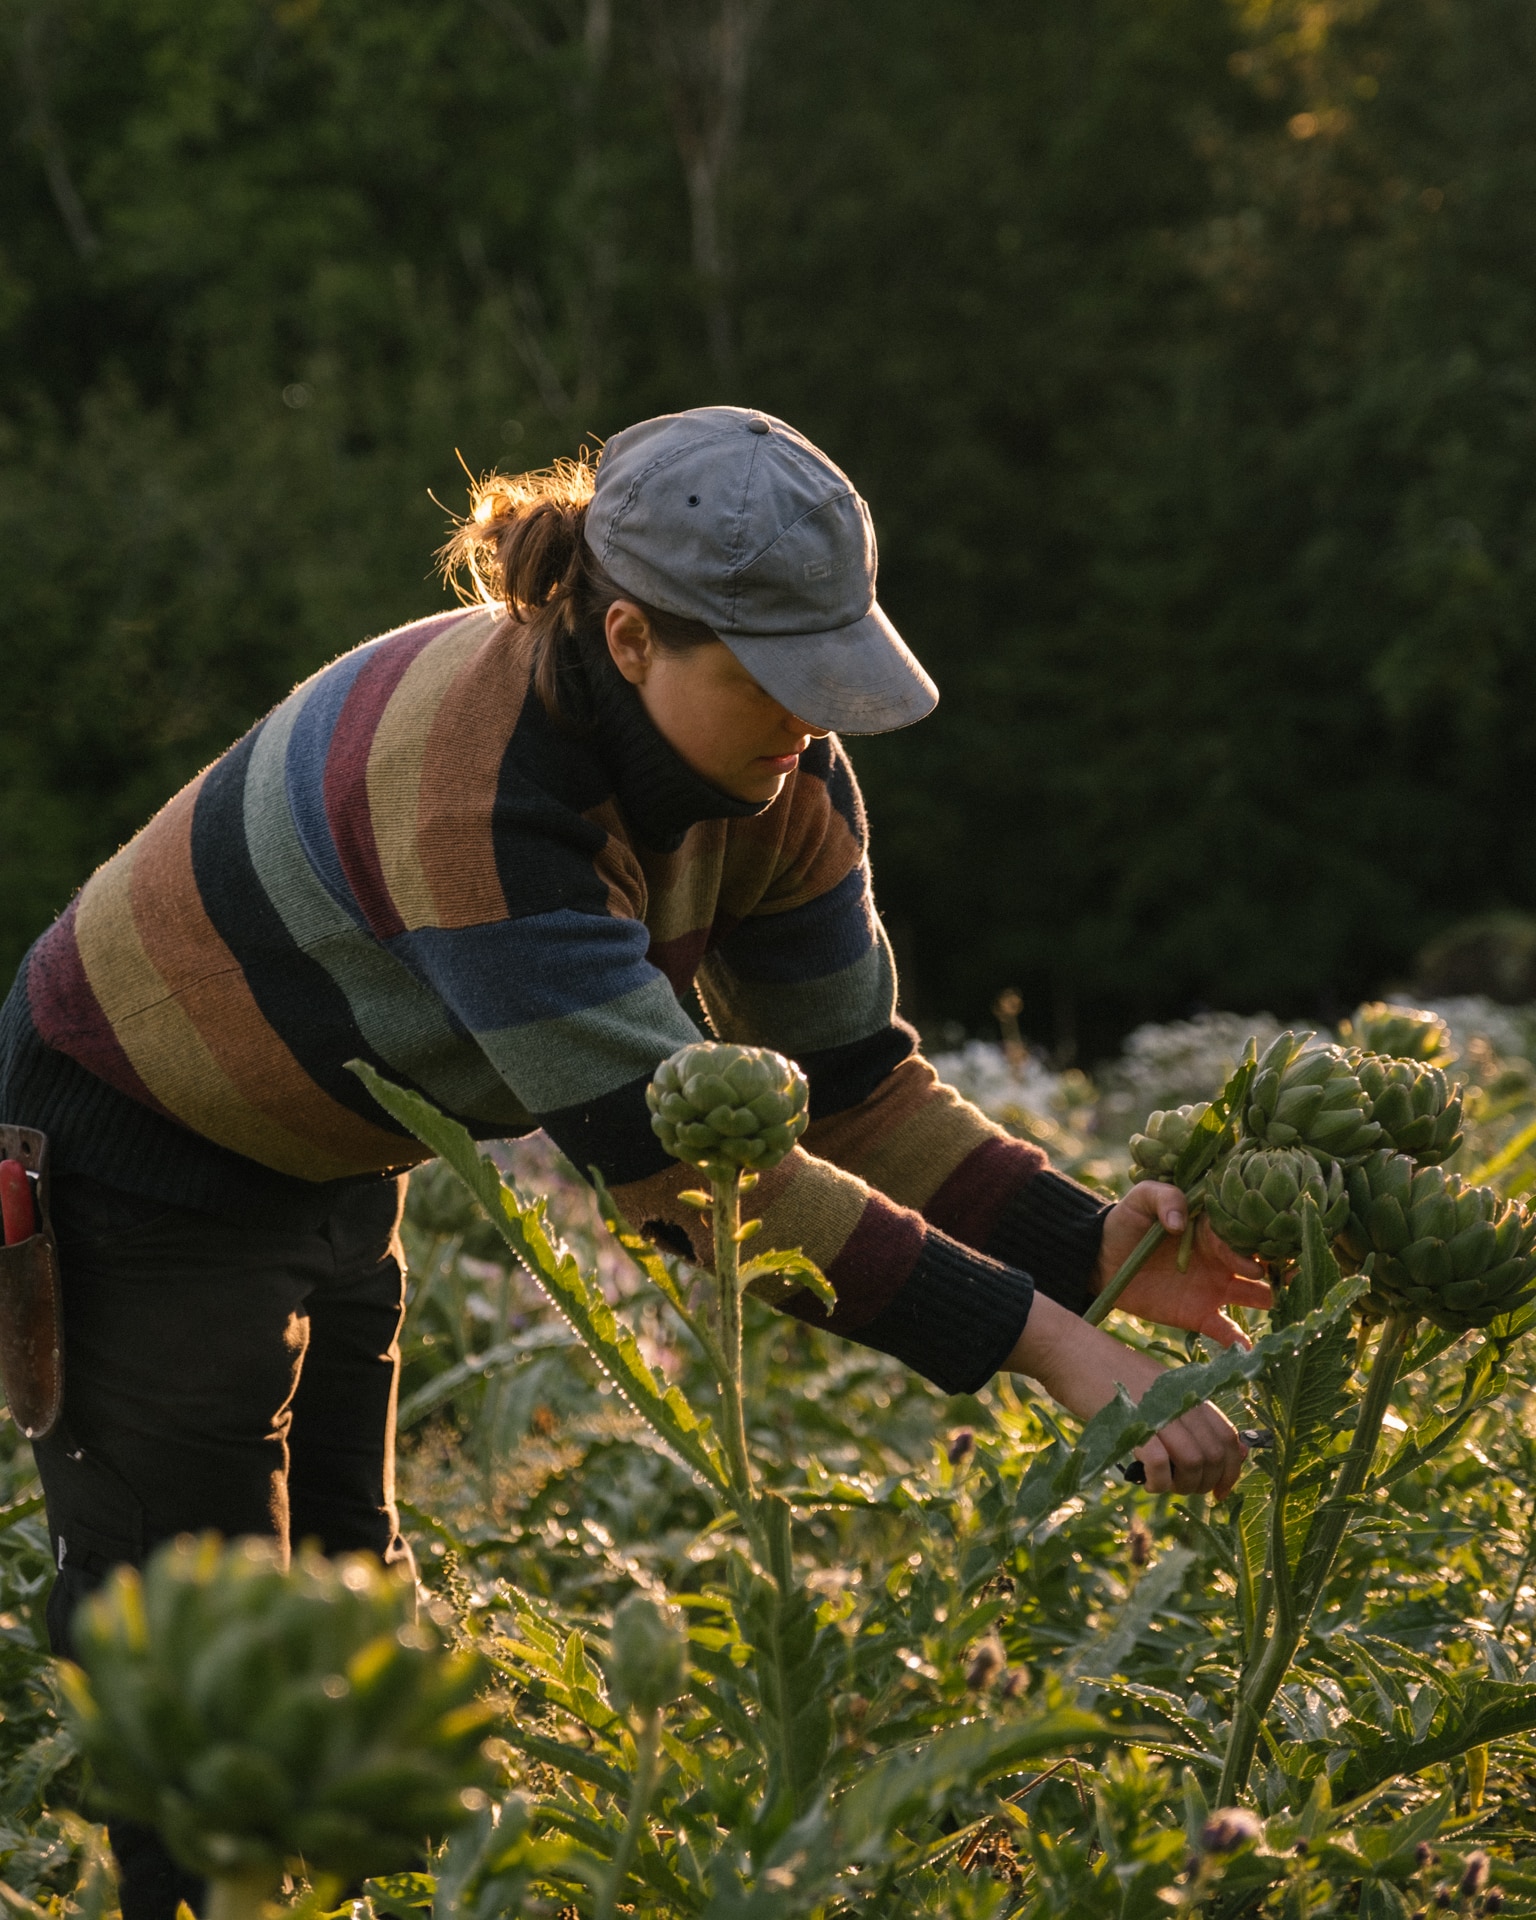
point(1185, 349)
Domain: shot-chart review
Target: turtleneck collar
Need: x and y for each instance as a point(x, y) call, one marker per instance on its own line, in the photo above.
point(658, 792)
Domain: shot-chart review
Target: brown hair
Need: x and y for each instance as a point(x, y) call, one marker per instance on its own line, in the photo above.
point(522, 546)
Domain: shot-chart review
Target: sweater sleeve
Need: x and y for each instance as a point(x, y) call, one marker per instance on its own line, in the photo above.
point(809, 971)
point(564, 995)
point(566, 1003)
point(918, 1141)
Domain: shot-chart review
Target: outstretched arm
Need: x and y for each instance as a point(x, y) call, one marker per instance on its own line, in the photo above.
point(1080, 1366)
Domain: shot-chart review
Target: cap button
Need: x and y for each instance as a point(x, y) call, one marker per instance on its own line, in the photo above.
point(757, 424)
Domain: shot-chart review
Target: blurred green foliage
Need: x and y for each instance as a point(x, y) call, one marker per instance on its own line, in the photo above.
point(1183, 348)
point(949, 1608)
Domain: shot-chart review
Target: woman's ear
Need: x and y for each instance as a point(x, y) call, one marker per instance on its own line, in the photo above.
point(630, 640)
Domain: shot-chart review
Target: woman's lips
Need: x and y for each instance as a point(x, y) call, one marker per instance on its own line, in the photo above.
point(778, 762)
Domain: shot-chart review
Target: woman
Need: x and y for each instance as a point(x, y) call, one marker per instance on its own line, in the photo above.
point(497, 853)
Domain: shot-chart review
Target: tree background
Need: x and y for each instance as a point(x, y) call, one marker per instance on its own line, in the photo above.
point(1185, 350)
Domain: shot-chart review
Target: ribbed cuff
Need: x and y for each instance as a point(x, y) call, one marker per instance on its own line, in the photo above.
point(1053, 1229)
point(957, 1317)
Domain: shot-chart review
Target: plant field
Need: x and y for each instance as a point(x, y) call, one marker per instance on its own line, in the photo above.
point(942, 1658)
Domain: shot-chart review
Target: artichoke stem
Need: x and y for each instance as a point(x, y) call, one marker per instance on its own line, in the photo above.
point(1269, 1655)
point(1333, 1517)
point(1100, 1306)
point(647, 1753)
point(241, 1896)
point(1262, 1678)
point(727, 1223)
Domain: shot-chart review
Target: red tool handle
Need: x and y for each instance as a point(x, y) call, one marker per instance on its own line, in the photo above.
point(16, 1210)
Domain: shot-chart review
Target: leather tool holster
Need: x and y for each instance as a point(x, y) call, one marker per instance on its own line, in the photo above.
point(31, 1329)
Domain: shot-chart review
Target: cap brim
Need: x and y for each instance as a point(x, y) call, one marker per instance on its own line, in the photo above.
point(861, 678)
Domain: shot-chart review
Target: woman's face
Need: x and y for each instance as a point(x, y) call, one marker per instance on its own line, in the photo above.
point(709, 709)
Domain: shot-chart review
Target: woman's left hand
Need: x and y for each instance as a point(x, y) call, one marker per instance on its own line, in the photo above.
point(1217, 1277)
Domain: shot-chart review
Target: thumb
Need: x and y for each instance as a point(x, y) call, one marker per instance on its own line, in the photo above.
point(1168, 1202)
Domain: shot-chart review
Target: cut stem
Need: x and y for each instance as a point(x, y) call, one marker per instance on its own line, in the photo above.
point(1102, 1302)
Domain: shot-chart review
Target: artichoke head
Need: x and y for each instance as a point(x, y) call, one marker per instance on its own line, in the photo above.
point(1156, 1149)
point(1309, 1096)
point(648, 1666)
point(721, 1107)
point(1253, 1201)
point(254, 1713)
point(1402, 1033)
point(1454, 1254)
point(1418, 1111)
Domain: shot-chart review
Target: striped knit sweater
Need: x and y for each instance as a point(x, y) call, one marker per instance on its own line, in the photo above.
point(408, 863)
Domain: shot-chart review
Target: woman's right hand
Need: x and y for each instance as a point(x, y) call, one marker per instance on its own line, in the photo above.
point(1080, 1366)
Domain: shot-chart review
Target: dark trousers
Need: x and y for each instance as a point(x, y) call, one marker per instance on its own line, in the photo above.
point(217, 1376)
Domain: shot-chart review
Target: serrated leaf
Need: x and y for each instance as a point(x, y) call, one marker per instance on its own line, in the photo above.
point(1483, 1380)
point(523, 1226)
point(793, 1665)
point(1400, 1839)
point(1250, 1531)
point(1101, 1658)
point(659, 1268)
point(1215, 1129)
point(767, 1275)
point(1471, 1713)
point(1123, 1425)
point(1311, 1386)
point(904, 1786)
point(1170, 1706)
point(442, 1387)
point(1313, 1383)
point(566, 1759)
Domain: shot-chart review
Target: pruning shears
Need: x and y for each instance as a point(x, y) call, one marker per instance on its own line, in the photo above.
point(31, 1326)
point(1253, 1438)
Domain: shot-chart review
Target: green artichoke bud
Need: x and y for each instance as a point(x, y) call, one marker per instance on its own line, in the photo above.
point(1254, 1200)
point(1402, 1033)
point(1305, 1096)
point(1155, 1150)
point(1418, 1112)
point(255, 1713)
point(649, 1645)
point(1454, 1254)
point(721, 1107)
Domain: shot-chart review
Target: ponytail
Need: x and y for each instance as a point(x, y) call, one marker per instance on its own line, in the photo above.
point(523, 547)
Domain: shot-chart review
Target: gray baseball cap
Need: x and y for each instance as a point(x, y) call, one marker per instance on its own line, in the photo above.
point(730, 517)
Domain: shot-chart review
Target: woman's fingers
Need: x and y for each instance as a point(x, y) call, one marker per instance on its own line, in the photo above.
point(1198, 1453)
point(1249, 1293)
point(1196, 1466)
point(1214, 1248)
point(1154, 1457)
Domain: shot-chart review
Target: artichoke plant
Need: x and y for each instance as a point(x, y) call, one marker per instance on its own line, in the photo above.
point(1418, 1111)
point(1156, 1149)
point(1402, 1033)
point(1445, 1251)
point(1253, 1201)
point(1309, 1096)
point(722, 1107)
point(255, 1713)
